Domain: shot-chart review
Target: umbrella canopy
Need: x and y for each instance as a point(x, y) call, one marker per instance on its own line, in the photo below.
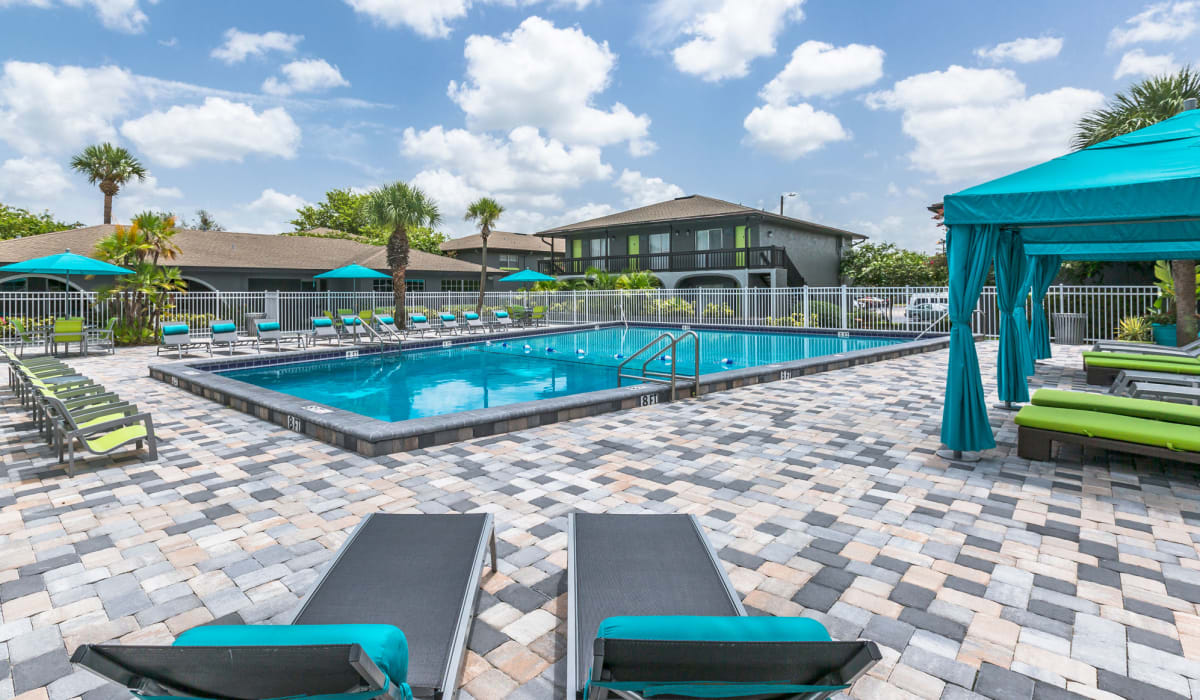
point(353, 271)
point(66, 264)
point(527, 276)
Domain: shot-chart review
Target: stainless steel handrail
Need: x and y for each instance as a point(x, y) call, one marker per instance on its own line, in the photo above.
point(664, 377)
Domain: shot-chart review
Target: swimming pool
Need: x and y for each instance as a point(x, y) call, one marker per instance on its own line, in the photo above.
point(400, 386)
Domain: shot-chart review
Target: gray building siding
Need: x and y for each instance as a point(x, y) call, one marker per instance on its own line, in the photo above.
point(259, 280)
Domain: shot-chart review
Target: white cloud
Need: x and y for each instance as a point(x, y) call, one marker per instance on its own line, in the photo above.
point(216, 130)
point(1137, 63)
point(1024, 50)
point(586, 212)
point(453, 195)
point(120, 15)
point(44, 109)
point(241, 45)
point(547, 77)
point(32, 183)
point(792, 131)
point(820, 69)
point(138, 196)
point(429, 18)
point(307, 75)
point(269, 213)
point(641, 190)
point(979, 123)
point(1164, 21)
point(523, 161)
point(725, 35)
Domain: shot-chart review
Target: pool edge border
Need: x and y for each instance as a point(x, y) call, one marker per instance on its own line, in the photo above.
point(373, 437)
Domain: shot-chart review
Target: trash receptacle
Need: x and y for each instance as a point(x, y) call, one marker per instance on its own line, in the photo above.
point(251, 318)
point(1069, 328)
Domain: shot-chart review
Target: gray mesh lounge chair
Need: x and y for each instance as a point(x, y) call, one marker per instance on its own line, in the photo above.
point(178, 337)
point(387, 326)
point(1192, 349)
point(650, 612)
point(352, 326)
point(224, 332)
point(474, 323)
point(324, 329)
point(270, 332)
point(419, 323)
point(502, 319)
point(449, 324)
point(418, 573)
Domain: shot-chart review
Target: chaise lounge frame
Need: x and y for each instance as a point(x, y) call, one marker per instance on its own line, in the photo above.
point(1036, 443)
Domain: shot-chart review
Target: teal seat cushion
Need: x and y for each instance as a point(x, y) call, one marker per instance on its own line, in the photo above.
point(447, 317)
point(501, 314)
point(269, 326)
point(322, 322)
point(351, 321)
point(419, 318)
point(384, 644)
point(386, 320)
point(729, 629)
point(174, 329)
point(471, 316)
point(224, 328)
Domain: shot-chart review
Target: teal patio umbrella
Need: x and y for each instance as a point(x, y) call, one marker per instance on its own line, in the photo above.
point(66, 264)
point(353, 271)
point(527, 276)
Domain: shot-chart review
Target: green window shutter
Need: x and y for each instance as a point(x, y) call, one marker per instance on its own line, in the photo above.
point(635, 248)
point(739, 241)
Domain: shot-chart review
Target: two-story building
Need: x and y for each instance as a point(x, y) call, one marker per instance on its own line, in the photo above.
point(506, 251)
point(697, 241)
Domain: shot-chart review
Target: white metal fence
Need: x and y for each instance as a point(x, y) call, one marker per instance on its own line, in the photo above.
point(842, 308)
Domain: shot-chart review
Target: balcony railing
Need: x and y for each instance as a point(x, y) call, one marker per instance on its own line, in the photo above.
point(678, 261)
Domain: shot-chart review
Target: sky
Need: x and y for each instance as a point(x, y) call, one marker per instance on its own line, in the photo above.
point(563, 110)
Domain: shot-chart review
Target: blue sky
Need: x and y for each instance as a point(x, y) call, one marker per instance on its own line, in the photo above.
point(563, 110)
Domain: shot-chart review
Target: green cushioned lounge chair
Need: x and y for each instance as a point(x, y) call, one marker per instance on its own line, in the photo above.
point(651, 613)
point(102, 438)
point(388, 620)
point(1118, 405)
point(1192, 349)
point(1103, 368)
point(1040, 426)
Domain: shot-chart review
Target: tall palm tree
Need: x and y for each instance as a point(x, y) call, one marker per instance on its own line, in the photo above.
point(1144, 103)
point(399, 208)
point(158, 230)
point(483, 211)
point(109, 166)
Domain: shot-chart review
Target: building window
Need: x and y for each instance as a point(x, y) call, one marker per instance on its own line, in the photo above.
point(509, 261)
point(598, 247)
point(411, 285)
point(710, 239)
point(460, 285)
point(380, 285)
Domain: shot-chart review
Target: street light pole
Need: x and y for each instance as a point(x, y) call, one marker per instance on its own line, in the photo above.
point(785, 194)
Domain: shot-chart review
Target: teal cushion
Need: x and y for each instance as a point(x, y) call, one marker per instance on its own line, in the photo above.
point(322, 322)
point(501, 314)
point(418, 318)
point(351, 321)
point(447, 317)
point(683, 628)
point(386, 320)
point(175, 329)
point(224, 328)
point(471, 316)
point(268, 326)
point(384, 644)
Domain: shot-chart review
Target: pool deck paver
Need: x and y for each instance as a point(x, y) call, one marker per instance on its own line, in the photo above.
point(822, 494)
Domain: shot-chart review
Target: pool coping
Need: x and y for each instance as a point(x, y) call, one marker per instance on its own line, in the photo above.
point(371, 436)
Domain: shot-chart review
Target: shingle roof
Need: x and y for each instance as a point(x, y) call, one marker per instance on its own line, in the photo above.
point(229, 249)
point(692, 206)
point(499, 240)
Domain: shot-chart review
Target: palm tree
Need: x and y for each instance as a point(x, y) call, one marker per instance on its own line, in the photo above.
point(399, 208)
point(484, 211)
point(595, 278)
point(638, 279)
point(110, 166)
point(1144, 103)
point(157, 230)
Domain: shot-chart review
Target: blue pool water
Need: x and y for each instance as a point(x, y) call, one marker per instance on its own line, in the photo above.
point(419, 383)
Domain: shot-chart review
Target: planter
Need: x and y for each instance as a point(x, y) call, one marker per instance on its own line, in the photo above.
point(1164, 334)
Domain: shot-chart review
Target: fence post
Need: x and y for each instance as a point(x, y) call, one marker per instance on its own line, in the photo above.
point(845, 321)
point(574, 307)
point(806, 316)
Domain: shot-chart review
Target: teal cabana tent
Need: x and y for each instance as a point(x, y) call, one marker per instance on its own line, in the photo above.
point(1135, 197)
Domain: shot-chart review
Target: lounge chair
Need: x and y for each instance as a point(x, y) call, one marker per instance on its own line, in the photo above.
point(502, 319)
point(651, 612)
point(419, 323)
point(323, 329)
point(1165, 392)
point(389, 617)
point(449, 324)
point(387, 326)
point(101, 438)
point(1126, 378)
point(85, 413)
point(178, 337)
point(1192, 349)
point(67, 331)
point(1103, 367)
point(27, 338)
point(270, 332)
point(224, 332)
point(353, 326)
point(474, 323)
point(1137, 426)
point(538, 316)
point(103, 338)
point(366, 316)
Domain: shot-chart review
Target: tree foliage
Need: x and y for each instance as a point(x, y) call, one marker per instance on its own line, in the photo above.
point(400, 208)
point(16, 223)
point(886, 265)
point(484, 211)
point(342, 210)
point(206, 222)
point(108, 167)
point(143, 296)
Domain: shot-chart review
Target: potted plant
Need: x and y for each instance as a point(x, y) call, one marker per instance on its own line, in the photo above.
point(1163, 318)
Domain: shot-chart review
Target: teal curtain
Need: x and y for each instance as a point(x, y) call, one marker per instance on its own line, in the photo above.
point(969, 251)
point(1045, 269)
point(1012, 286)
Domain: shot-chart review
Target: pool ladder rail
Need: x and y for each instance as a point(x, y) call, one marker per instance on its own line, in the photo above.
point(668, 378)
point(375, 335)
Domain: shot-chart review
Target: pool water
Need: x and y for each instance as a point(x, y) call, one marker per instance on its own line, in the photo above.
point(431, 382)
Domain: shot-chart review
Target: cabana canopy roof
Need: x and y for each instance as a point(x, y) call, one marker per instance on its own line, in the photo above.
point(1134, 197)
